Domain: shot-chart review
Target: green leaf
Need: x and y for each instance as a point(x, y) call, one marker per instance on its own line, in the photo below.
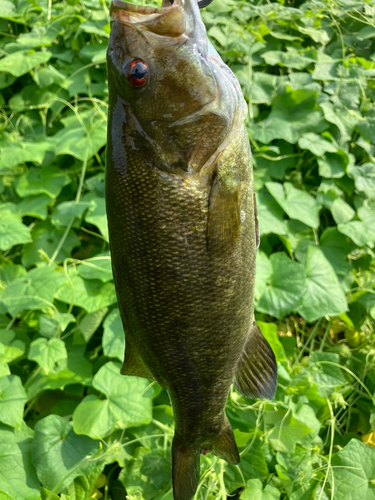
point(341, 211)
point(292, 115)
point(68, 210)
point(291, 59)
point(46, 238)
point(114, 337)
point(59, 455)
point(97, 268)
point(316, 144)
point(10, 347)
point(336, 247)
point(53, 326)
point(324, 295)
point(126, 404)
point(253, 465)
point(91, 295)
point(90, 323)
point(285, 287)
point(324, 373)
point(333, 165)
point(34, 291)
point(340, 117)
point(12, 400)
point(13, 232)
point(254, 491)
point(270, 216)
point(17, 473)
point(354, 471)
point(96, 214)
point(23, 61)
point(17, 153)
point(364, 178)
point(296, 203)
point(358, 232)
point(48, 180)
point(269, 331)
point(36, 206)
point(50, 354)
point(148, 474)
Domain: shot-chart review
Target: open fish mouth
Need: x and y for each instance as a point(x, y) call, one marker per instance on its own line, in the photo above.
point(167, 20)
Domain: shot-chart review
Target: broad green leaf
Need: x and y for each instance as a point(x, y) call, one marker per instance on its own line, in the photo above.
point(276, 159)
point(285, 287)
point(48, 180)
point(126, 403)
point(23, 61)
point(324, 295)
point(50, 354)
point(77, 371)
point(59, 454)
point(364, 178)
point(340, 117)
point(253, 465)
point(358, 232)
point(286, 429)
point(333, 165)
point(269, 331)
point(354, 471)
point(53, 325)
point(88, 325)
point(36, 206)
point(12, 400)
point(291, 59)
point(34, 291)
point(292, 115)
point(67, 211)
point(147, 475)
point(336, 247)
point(47, 239)
point(98, 267)
point(20, 152)
point(270, 216)
point(10, 347)
point(92, 295)
point(296, 203)
point(9, 273)
point(31, 97)
point(114, 337)
point(17, 473)
point(263, 273)
point(341, 211)
point(13, 232)
point(316, 144)
point(324, 373)
point(96, 214)
point(254, 491)
point(295, 472)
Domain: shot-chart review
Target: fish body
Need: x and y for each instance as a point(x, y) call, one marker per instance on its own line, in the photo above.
point(183, 225)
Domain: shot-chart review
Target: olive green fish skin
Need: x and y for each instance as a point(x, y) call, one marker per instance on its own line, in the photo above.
point(181, 216)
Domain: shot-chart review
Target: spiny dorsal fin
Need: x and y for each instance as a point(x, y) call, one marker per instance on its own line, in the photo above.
point(223, 213)
point(256, 375)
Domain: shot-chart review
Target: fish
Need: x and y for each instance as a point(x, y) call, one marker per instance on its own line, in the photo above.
point(183, 226)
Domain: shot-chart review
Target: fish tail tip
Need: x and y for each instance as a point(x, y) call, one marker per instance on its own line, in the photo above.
point(185, 470)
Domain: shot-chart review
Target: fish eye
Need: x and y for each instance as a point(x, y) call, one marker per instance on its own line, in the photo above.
point(138, 73)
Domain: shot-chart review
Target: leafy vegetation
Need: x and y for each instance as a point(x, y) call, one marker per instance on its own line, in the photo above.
point(71, 427)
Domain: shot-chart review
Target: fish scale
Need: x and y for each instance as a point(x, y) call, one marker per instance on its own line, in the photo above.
point(183, 227)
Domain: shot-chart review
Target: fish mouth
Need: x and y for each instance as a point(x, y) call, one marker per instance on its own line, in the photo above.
point(167, 20)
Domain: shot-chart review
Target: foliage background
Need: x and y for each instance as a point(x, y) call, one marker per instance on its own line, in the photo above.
point(70, 426)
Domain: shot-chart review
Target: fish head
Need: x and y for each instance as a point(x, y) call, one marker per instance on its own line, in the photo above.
point(181, 97)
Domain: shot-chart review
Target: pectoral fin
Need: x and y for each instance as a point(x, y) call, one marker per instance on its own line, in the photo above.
point(223, 214)
point(256, 375)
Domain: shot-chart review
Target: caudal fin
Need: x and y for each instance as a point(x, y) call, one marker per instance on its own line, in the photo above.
point(185, 470)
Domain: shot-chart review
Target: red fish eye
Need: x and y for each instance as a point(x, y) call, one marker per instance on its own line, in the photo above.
point(138, 73)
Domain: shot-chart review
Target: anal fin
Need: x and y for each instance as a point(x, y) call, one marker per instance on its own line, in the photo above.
point(256, 375)
point(133, 365)
point(225, 446)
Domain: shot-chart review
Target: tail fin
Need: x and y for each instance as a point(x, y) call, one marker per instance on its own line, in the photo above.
point(185, 470)
point(225, 446)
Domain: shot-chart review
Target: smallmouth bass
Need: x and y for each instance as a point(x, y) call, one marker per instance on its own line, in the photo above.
point(183, 226)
